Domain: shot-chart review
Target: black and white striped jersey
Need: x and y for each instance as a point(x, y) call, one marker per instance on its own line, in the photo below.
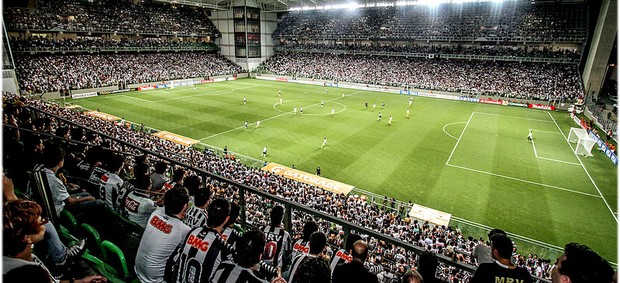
point(277, 245)
point(195, 217)
point(228, 272)
point(300, 247)
point(199, 255)
point(231, 236)
point(297, 261)
point(339, 258)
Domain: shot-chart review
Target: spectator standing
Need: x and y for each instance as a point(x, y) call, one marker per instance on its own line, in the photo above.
point(177, 179)
point(343, 256)
point(502, 269)
point(164, 231)
point(157, 178)
point(247, 257)
point(313, 270)
point(427, 267)
point(317, 244)
point(278, 246)
point(229, 234)
point(196, 215)
point(355, 271)
point(412, 276)
point(302, 245)
point(138, 204)
point(199, 255)
point(111, 182)
point(579, 264)
point(482, 251)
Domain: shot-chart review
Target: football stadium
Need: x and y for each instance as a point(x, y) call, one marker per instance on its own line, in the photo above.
point(310, 141)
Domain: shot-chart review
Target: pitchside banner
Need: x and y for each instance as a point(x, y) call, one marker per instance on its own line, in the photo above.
point(175, 138)
point(603, 147)
point(83, 95)
point(304, 177)
point(434, 216)
point(102, 115)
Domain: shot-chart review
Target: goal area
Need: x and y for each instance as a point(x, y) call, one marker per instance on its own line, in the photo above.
point(583, 140)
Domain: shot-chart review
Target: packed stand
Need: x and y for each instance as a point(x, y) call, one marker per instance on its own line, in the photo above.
point(47, 73)
point(122, 16)
point(504, 79)
point(487, 50)
point(385, 259)
point(88, 43)
point(511, 21)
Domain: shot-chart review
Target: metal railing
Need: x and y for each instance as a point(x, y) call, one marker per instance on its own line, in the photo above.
point(245, 191)
point(519, 39)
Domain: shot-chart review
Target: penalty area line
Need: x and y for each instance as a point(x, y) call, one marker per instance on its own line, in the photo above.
point(613, 214)
point(525, 181)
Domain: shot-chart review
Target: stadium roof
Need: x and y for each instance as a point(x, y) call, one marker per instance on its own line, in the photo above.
point(291, 5)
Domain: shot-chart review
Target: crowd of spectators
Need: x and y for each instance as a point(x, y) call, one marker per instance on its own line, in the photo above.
point(498, 78)
point(487, 50)
point(388, 260)
point(122, 16)
point(88, 43)
point(511, 21)
point(46, 73)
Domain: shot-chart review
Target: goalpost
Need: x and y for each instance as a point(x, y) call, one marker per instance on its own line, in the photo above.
point(583, 140)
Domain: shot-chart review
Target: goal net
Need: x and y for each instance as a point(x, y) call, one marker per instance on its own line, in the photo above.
point(583, 140)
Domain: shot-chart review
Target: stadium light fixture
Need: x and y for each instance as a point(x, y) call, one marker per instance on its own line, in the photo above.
point(429, 3)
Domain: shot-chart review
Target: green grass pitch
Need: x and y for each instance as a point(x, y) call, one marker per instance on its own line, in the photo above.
point(467, 159)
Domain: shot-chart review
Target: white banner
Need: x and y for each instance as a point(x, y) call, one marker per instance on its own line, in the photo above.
point(83, 95)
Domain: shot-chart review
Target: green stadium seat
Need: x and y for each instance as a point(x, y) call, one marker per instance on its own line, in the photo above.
point(93, 239)
point(66, 235)
point(238, 228)
point(101, 268)
point(115, 258)
point(69, 221)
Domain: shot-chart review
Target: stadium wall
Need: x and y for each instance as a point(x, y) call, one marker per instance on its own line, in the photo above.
point(56, 94)
point(224, 22)
point(593, 74)
point(9, 82)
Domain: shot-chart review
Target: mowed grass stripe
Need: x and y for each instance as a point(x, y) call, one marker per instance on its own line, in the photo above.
point(405, 160)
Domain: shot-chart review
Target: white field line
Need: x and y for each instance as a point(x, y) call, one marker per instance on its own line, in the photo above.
point(586, 170)
point(208, 94)
point(512, 235)
point(459, 139)
point(272, 117)
point(534, 146)
point(559, 161)
point(444, 129)
point(549, 159)
point(525, 181)
point(550, 132)
point(514, 117)
point(133, 96)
